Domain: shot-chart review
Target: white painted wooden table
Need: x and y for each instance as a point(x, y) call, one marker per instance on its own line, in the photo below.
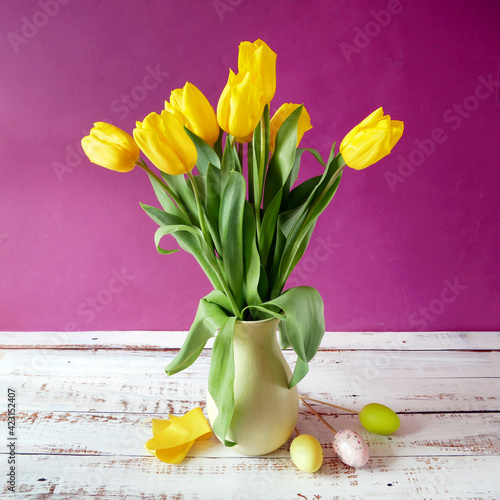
point(83, 401)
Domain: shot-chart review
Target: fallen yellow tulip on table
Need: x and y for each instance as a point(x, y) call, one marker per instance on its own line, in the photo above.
point(172, 439)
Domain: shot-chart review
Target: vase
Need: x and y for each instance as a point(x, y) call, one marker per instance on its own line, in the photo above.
point(265, 410)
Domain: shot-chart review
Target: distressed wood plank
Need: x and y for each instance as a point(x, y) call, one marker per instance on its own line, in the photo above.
point(367, 364)
point(68, 477)
point(124, 434)
point(84, 401)
point(117, 381)
point(173, 340)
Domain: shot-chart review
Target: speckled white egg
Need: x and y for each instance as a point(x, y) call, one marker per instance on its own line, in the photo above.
point(351, 448)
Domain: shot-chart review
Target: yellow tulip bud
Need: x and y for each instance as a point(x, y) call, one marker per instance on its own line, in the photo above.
point(258, 58)
point(164, 141)
point(240, 106)
point(198, 114)
point(111, 147)
point(281, 115)
point(371, 140)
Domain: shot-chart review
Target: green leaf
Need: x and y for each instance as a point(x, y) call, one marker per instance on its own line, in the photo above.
point(250, 257)
point(163, 218)
point(304, 322)
point(212, 205)
point(231, 233)
point(200, 181)
point(332, 154)
point(260, 146)
point(287, 222)
point(218, 145)
point(301, 222)
point(178, 185)
point(305, 238)
point(205, 153)
point(283, 339)
point(300, 194)
point(283, 158)
point(213, 311)
point(171, 229)
point(317, 155)
point(263, 284)
point(189, 238)
point(268, 228)
point(221, 377)
point(292, 177)
point(164, 199)
point(229, 158)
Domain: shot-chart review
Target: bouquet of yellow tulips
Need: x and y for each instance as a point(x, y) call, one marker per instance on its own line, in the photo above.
point(246, 245)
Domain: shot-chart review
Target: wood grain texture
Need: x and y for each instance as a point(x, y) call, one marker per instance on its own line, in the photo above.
point(69, 477)
point(399, 341)
point(85, 400)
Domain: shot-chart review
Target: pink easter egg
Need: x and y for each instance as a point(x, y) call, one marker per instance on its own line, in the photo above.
point(351, 448)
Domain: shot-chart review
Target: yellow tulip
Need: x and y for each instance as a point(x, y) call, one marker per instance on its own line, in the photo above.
point(172, 439)
point(198, 114)
point(282, 114)
point(240, 106)
point(258, 59)
point(111, 147)
point(371, 140)
point(164, 141)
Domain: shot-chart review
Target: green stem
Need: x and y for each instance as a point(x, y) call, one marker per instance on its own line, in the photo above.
point(320, 197)
point(165, 186)
point(260, 177)
point(304, 227)
point(209, 253)
point(201, 215)
point(251, 176)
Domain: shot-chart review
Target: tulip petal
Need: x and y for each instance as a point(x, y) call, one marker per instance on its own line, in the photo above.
point(370, 140)
point(223, 109)
point(178, 140)
point(246, 108)
point(159, 153)
point(258, 59)
point(100, 153)
point(113, 134)
point(397, 128)
point(111, 147)
point(197, 113)
point(283, 112)
point(165, 142)
point(172, 439)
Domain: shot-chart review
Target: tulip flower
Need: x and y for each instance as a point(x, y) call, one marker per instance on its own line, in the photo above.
point(371, 140)
point(258, 59)
point(240, 106)
point(164, 141)
point(282, 114)
point(111, 147)
point(172, 439)
point(198, 114)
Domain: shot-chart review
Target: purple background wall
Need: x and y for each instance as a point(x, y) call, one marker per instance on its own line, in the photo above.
point(408, 244)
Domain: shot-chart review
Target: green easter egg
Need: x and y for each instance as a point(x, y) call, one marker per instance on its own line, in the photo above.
point(306, 453)
point(379, 419)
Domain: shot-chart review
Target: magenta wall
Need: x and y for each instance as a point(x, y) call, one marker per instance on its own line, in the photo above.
point(408, 244)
